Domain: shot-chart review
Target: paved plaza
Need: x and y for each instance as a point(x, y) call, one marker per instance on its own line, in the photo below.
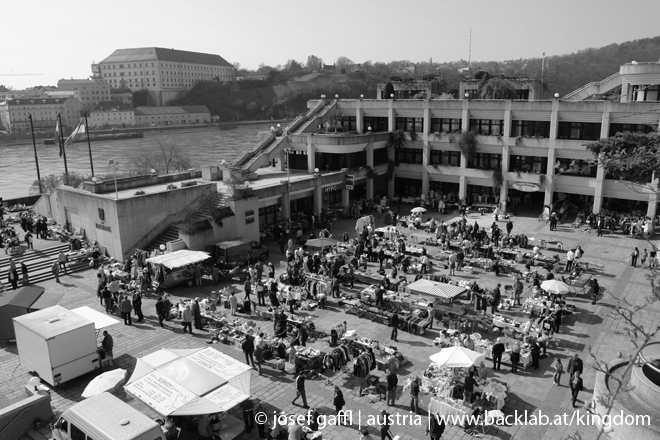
point(590, 329)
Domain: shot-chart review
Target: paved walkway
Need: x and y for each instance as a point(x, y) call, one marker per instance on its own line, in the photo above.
point(590, 330)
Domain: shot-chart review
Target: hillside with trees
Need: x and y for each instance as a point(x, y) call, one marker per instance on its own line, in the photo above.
point(285, 89)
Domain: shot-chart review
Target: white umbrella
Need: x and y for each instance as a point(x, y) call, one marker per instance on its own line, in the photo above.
point(105, 382)
point(555, 286)
point(418, 209)
point(457, 357)
point(321, 242)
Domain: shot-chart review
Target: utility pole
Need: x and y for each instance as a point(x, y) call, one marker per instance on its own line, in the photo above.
point(542, 73)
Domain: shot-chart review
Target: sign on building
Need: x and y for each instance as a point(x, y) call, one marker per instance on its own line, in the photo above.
point(350, 181)
point(249, 217)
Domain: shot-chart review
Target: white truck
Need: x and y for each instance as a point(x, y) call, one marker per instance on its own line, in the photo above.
point(105, 417)
point(57, 344)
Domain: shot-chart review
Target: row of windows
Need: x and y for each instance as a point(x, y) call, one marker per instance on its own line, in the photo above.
point(170, 65)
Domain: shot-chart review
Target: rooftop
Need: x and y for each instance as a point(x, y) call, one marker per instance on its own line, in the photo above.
point(112, 106)
point(37, 101)
point(161, 54)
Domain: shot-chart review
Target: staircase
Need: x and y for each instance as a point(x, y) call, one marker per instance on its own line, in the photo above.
point(39, 262)
point(594, 88)
point(169, 234)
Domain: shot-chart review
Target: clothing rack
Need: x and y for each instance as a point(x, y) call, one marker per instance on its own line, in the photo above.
point(337, 332)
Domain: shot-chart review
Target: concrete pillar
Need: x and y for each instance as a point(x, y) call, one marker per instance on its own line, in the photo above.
point(286, 205)
point(345, 198)
point(391, 115)
point(550, 173)
point(504, 189)
point(554, 120)
point(465, 118)
point(370, 188)
point(427, 121)
point(600, 171)
point(281, 159)
point(359, 117)
point(318, 197)
point(370, 163)
point(462, 187)
point(504, 193)
point(390, 188)
point(425, 182)
point(311, 155)
point(652, 209)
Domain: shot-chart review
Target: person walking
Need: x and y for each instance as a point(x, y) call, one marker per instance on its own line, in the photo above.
point(24, 273)
point(197, 315)
point(248, 288)
point(509, 227)
point(300, 390)
point(497, 351)
point(160, 311)
point(575, 365)
point(518, 291)
point(645, 256)
point(436, 427)
point(248, 349)
point(633, 257)
point(29, 240)
point(168, 306)
point(414, 395)
point(186, 319)
point(61, 259)
point(259, 350)
point(233, 304)
point(384, 422)
point(452, 263)
point(394, 322)
point(338, 400)
point(137, 306)
point(559, 370)
point(535, 349)
point(392, 382)
point(576, 386)
point(497, 297)
point(594, 290)
point(107, 345)
point(126, 309)
point(468, 388)
point(570, 258)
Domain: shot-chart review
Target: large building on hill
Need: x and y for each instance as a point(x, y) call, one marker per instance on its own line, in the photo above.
point(14, 113)
point(164, 72)
point(89, 92)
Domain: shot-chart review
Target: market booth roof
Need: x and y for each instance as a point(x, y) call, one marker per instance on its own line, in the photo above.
point(190, 381)
point(436, 289)
point(179, 258)
point(20, 302)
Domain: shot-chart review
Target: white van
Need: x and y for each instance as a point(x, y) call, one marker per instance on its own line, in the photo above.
point(105, 417)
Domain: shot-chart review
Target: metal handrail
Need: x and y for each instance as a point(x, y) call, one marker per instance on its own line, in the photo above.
point(12, 421)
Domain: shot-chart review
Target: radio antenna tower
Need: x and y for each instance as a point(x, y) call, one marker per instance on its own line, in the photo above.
point(470, 50)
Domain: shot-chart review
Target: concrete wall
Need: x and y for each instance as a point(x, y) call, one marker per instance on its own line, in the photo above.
point(17, 419)
point(108, 186)
point(248, 231)
point(127, 221)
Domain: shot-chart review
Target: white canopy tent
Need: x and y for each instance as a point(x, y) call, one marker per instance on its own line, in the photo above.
point(435, 289)
point(100, 320)
point(179, 258)
point(457, 357)
point(190, 381)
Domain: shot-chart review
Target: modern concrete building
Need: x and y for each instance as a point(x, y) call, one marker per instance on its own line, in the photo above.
point(164, 72)
point(172, 115)
point(89, 92)
point(111, 114)
point(14, 113)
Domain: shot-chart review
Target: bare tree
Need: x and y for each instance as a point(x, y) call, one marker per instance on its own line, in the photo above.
point(50, 182)
point(165, 159)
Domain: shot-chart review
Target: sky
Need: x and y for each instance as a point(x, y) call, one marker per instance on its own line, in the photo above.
point(61, 39)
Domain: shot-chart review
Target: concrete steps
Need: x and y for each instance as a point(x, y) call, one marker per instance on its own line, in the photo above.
point(39, 264)
point(169, 234)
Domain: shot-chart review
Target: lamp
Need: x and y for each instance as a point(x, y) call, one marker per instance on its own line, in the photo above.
point(153, 172)
point(278, 126)
point(369, 128)
point(223, 162)
point(272, 128)
point(467, 95)
point(322, 96)
point(556, 95)
point(361, 96)
point(336, 96)
point(94, 179)
point(316, 170)
point(392, 95)
point(162, 248)
point(34, 382)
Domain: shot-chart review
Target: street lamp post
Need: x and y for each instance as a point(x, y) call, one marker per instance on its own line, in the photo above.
point(113, 164)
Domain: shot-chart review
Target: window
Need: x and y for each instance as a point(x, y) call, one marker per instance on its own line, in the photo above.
point(450, 158)
point(579, 130)
point(528, 164)
point(487, 127)
point(407, 187)
point(380, 156)
point(409, 155)
point(633, 128)
point(348, 123)
point(646, 92)
point(472, 94)
point(446, 125)
point(530, 128)
point(486, 161)
point(410, 124)
point(522, 95)
point(76, 433)
point(576, 167)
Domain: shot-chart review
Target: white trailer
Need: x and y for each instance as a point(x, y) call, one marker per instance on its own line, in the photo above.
point(57, 344)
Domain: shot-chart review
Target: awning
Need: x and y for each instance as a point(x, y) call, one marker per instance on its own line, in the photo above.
point(190, 381)
point(179, 258)
point(436, 289)
point(23, 297)
point(100, 320)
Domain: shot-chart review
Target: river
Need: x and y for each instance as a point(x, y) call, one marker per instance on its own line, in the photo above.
point(203, 146)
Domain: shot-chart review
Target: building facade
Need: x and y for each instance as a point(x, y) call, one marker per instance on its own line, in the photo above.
point(89, 92)
point(14, 113)
point(164, 72)
point(172, 115)
point(111, 114)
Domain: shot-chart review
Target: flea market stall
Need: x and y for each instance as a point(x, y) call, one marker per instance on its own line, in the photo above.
point(175, 267)
point(193, 383)
point(21, 302)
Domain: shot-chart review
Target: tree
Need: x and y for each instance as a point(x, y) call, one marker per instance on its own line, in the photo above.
point(52, 181)
point(165, 159)
point(496, 87)
point(143, 98)
point(236, 65)
point(634, 157)
point(314, 62)
point(293, 65)
point(343, 64)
